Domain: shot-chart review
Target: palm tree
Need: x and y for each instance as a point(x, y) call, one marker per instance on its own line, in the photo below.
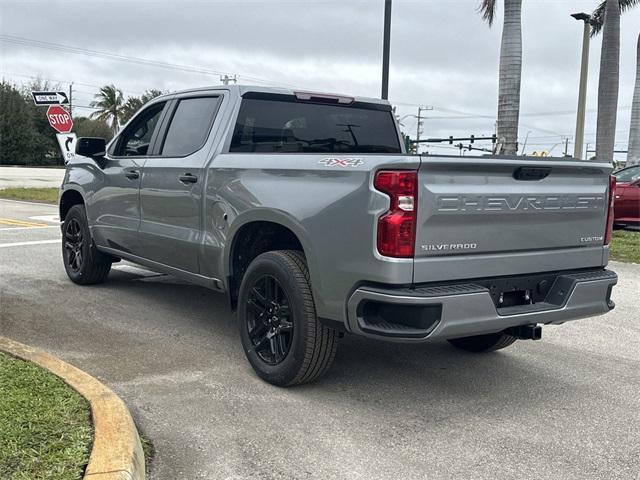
point(133, 104)
point(633, 157)
point(109, 104)
point(129, 108)
point(606, 18)
point(609, 82)
point(510, 71)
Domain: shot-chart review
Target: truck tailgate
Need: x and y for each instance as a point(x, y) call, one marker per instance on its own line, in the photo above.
point(502, 216)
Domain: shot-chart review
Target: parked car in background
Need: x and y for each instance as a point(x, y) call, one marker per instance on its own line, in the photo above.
point(627, 204)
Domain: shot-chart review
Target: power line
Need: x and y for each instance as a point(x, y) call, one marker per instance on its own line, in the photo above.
point(191, 69)
point(531, 114)
point(28, 42)
point(40, 77)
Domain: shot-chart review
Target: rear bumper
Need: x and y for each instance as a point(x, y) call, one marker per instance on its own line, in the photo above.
point(431, 312)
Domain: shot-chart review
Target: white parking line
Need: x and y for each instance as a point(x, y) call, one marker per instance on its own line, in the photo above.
point(26, 228)
point(47, 218)
point(24, 244)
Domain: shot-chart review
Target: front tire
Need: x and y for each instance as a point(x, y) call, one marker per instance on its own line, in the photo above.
point(484, 343)
point(282, 338)
point(84, 264)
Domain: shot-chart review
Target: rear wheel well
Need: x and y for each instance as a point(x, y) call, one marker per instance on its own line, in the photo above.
point(252, 240)
point(68, 200)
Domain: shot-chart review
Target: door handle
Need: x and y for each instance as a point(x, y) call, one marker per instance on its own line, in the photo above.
point(188, 178)
point(132, 174)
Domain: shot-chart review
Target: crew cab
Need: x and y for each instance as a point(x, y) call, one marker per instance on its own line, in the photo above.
point(308, 213)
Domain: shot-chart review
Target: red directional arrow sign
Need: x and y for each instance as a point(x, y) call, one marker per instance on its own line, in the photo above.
point(59, 119)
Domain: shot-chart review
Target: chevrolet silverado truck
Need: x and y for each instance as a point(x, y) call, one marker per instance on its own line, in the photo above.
point(307, 211)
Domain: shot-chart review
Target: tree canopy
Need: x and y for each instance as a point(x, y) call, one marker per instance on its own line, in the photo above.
point(25, 135)
point(133, 104)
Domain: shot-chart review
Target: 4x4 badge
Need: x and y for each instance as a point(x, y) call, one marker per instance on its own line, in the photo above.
point(342, 162)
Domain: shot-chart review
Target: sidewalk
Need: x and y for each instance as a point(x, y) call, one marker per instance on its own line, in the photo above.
point(30, 177)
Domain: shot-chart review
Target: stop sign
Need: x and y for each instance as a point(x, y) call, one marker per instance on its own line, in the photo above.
point(59, 118)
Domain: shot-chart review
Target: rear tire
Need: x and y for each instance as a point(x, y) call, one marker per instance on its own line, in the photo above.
point(84, 264)
point(484, 343)
point(281, 335)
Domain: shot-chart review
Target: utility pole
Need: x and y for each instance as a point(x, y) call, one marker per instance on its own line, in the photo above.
point(584, 73)
point(226, 79)
point(71, 99)
point(526, 139)
point(386, 48)
point(419, 124)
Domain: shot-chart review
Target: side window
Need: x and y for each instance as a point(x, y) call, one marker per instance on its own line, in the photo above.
point(628, 175)
point(135, 140)
point(189, 126)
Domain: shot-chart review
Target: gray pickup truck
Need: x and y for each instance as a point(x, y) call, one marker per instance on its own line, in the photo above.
point(306, 210)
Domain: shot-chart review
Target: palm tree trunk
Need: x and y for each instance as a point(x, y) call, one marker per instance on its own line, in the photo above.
point(510, 78)
point(633, 157)
point(609, 83)
point(114, 121)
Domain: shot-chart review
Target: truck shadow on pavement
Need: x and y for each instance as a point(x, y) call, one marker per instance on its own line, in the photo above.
point(145, 332)
point(365, 370)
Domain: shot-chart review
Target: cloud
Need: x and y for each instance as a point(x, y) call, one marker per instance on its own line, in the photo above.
point(442, 53)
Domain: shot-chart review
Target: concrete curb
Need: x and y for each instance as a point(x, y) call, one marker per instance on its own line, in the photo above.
point(117, 451)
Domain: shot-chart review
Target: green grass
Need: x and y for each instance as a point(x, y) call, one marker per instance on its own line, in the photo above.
point(625, 246)
point(45, 195)
point(148, 450)
point(45, 426)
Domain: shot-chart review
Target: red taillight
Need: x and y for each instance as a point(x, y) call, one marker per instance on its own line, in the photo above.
point(397, 227)
point(610, 214)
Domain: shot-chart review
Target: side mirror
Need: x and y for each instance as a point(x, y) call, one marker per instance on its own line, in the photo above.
point(636, 182)
point(92, 147)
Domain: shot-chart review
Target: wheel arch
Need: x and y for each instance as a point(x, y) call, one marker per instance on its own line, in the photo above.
point(258, 232)
point(68, 199)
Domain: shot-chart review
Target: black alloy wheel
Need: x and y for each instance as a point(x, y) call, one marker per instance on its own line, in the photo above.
point(281, 334)
point(84, 264)
point(269, 320)
point(73, 242)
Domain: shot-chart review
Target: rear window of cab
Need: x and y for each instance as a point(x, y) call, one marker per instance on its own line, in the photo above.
point(283, 124)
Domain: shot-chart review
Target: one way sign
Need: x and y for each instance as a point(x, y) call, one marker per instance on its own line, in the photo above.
point(67, 142)
point(50, 98)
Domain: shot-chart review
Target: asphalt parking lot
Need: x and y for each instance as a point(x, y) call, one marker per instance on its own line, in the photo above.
point(567, 407)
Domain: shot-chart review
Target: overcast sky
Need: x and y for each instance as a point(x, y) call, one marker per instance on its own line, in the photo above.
point(442, 54)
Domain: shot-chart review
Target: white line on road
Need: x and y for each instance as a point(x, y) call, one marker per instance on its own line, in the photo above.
point(47, 218)
point(24, 244)
point(52, 205)
point(12, 229)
